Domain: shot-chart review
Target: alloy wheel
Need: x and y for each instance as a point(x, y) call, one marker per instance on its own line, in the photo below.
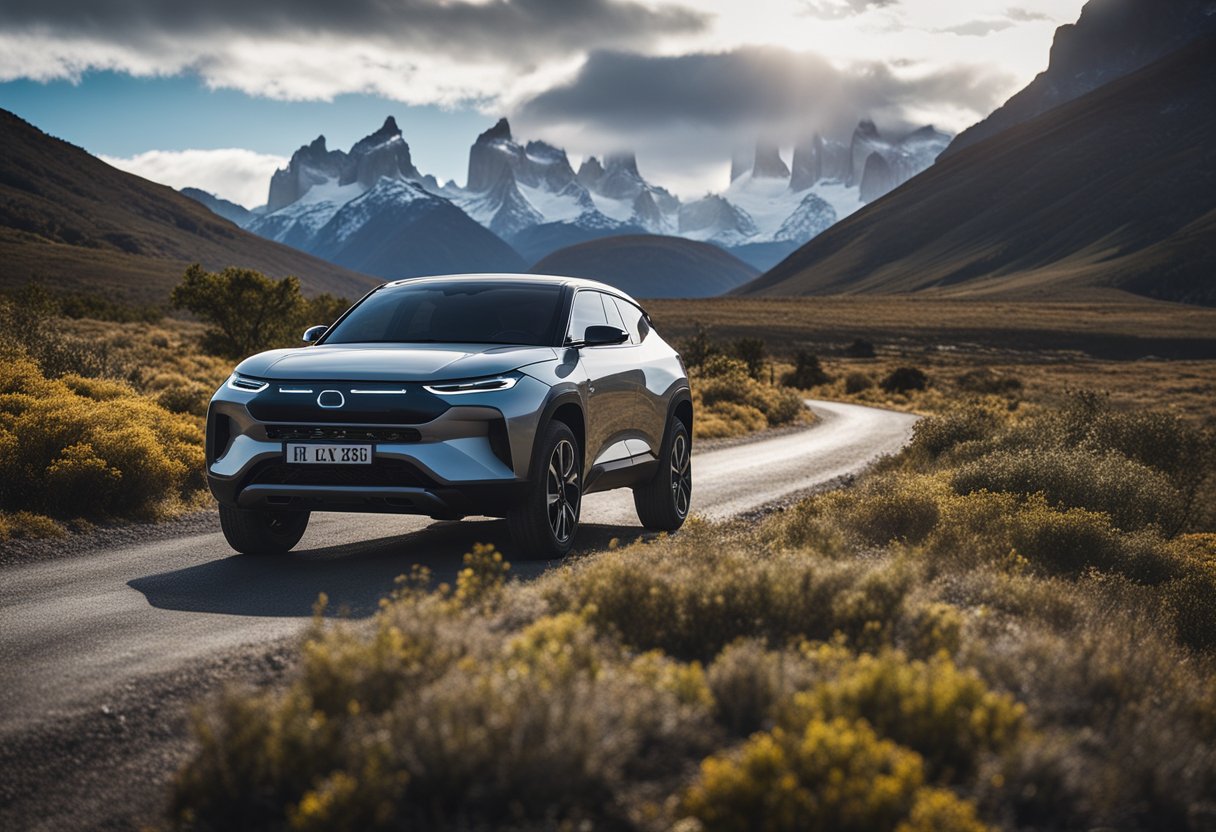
point(681, 475)
point(563, 491)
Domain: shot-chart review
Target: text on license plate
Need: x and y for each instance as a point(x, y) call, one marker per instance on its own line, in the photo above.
point(329, 454)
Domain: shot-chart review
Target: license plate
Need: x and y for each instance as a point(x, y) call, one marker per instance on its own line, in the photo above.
point(315, 454)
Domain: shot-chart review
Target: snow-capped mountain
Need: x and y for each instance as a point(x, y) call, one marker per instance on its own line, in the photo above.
point(365, 208)
point(372, 210)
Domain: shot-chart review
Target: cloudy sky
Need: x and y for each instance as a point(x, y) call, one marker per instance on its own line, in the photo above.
point(217, 94)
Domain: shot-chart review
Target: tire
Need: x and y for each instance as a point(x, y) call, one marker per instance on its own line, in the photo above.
point(259, 532)
point(663, 503)
point(544, 523)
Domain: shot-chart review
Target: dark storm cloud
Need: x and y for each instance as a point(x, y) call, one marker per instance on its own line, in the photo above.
point(506, 29)
point(749, 86)
point(839, 9)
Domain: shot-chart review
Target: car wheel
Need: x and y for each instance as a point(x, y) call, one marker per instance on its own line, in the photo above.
point(261, 532)
point(663, 503)
point(543, 524)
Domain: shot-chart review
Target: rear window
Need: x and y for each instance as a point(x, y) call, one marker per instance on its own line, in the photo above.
point(460, 312)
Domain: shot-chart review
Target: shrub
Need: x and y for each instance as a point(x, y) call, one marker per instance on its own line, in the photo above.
point(892, 507)
point(26, 524)
point(92, 448)
point(731, 398)
point(709, 595)
point(935, 435)
point(905, 380)
point(249, 312)
point(807, 372)
point(986, 381)
point(857, 382)
point(948, 715)
point(860, 348)
point(698, 348)
point(752, 352)
point(434, 719)
point(830, 775)
point(747, 681)
point(1133, 494)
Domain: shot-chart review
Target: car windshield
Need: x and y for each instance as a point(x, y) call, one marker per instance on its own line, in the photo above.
point(459, 312)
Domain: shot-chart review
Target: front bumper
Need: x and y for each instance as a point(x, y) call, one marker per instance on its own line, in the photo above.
point(471, 458)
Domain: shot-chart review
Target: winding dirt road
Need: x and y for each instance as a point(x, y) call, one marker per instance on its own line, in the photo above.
point(73, 628)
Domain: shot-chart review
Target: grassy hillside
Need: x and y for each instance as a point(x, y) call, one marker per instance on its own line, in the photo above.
point(1114, 189)
point(69, 219)
point(652, 266)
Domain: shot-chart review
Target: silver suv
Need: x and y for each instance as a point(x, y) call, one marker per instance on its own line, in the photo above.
point(495, 395)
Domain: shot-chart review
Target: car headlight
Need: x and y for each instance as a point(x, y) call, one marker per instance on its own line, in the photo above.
point(245, 384)
point(478, 385)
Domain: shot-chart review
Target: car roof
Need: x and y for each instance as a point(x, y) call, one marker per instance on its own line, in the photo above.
point(544, 279)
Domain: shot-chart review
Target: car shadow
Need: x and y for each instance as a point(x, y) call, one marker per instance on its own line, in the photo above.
point(354, 576)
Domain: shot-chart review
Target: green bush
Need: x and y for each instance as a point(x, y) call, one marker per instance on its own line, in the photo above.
point(249, 312)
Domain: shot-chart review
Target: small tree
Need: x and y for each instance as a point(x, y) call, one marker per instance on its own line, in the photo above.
point(247, 311)
point(752, 352)
point(807, 373)
point(699, 348)
point(904, 380)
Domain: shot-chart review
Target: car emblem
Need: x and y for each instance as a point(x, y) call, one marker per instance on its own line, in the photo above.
point(330, 399)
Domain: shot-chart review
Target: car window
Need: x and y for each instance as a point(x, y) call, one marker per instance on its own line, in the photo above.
point(635, 320)
point(459, 311)
point(588, 311)
point(613, 313)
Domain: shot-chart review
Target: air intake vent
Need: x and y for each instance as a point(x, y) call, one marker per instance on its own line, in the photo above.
point(297, 433)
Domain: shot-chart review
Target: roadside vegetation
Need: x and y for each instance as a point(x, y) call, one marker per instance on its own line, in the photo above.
point(102, 405)
point(1007, 626)
point(734, 388)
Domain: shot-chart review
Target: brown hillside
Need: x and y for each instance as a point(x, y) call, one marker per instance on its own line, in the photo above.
point(1116, 189)
point(69, 219)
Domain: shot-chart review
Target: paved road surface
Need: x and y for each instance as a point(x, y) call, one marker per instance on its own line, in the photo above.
point(74, 627)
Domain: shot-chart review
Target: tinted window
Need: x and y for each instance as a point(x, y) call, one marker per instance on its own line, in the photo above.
point(635, 321)
point(614, 315)
point(459, 312)
point(588, 311)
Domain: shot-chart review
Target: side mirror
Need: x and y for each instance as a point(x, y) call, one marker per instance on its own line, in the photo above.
point(313, 334)
point(602, 336)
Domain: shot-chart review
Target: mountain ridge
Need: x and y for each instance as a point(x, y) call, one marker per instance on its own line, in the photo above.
point(66, 216)
point(1055, 205)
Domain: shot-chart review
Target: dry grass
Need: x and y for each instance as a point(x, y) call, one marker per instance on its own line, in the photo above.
point(1144, 353)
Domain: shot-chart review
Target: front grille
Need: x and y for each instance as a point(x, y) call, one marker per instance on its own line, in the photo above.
point(296, 433)
point(382, 472)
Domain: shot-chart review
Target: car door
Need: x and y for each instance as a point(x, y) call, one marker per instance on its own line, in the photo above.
point(609, 390)
point(652, 377)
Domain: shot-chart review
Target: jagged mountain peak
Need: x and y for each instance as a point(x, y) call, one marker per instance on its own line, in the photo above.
point(624, 161)
point(501, 131)
point(866, 128)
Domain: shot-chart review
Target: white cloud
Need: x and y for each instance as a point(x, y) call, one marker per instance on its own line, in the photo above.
point(239, 175)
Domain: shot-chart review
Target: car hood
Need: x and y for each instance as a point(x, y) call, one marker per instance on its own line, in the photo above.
point(395, 362)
